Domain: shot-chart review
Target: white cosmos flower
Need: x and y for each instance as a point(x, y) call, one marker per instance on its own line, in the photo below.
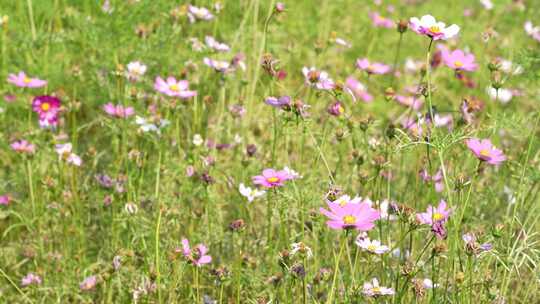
point(436, 30)
point(198, 140)
point(249, 193)
point(373, 289)
point(502, 95)
point(372, 246)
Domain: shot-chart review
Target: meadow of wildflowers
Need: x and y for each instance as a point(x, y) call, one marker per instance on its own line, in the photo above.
point(255, 151)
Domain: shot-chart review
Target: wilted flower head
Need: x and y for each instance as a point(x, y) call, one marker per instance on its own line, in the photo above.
point(196, 255)
point(271, 178)
point(302, 249)
point(427, 25)
point(173, 88)
point(249, 193)
point(359, 216)
point(372, 67)
point(484, 150)
point(118, 111)
point(23, 146)
point(318, 79)
point(373, 289)
point(23, 81)
point(459, 60)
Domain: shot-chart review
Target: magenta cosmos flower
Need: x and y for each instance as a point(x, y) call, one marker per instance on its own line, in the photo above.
point(436, 218)
point(173, 88)
point(484, 150)
point(358, 89)
point(118, 111)
point(359, 216)
point(427, 25)
point(23, 146)
point(47, 108)
point(23, 81)
point(381, 21)
point(196, 255)
point(271, 178)
point(372, 67)
point(459, 60)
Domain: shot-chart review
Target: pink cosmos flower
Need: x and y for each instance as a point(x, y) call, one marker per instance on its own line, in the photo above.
point(30, 279)
point(174, 88)
point(409, 101)
point(199, 13)
point(271, 178)
point(437, 179)
point(459, 60)
point(197, 255)
point(381, 21)
point(23, 146)
point(23, 81)
point(88, 283)
point(372, 68)
point(436, 218)
point(336, 109)
point(533, 31)
point(358, 89)
point(318, 79)
point(427, 25)
point(282, 102)
point(218, 65)
point(484, 150)
point(359, 216)
point(48, 108)
point(5, 199)
point(118, 111)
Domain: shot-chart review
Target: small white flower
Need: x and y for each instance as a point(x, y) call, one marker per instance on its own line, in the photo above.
point(373, 289)
point(343, 42)
point(509, 67)
point(428, 284)
point(487, 4)
point(293, 174)
point(131, 208)
point(198, 140)
point(212, 43)
point(135, 70)
point(370, 246)
point(237, 139)
point(250, 194)
point(302, 249)
point(384, 208)
point(199, 13)
point(502, 95)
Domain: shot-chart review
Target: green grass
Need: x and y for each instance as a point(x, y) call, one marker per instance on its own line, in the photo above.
point(58, 227)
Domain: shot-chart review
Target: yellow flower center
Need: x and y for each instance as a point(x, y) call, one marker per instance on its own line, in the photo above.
point(341, 110)
point(371, 247)
point(437, 216)
point(26, 79)
point(435, 29)
point(45, 106)
point(349, 219)
point(376, 290)
point(458, 64)
point(272, 179)
point(484, 152)
point(174, 87)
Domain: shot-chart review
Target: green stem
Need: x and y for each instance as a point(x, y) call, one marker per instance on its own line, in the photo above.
point(336, 270)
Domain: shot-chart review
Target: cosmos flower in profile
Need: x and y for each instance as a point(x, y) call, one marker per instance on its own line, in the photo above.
point(359, 216)
point(197, 255)
point(249, 193)
point(174, 88)
point(199, 13)
point(318, 79)
point(358, 89)
point(380, 21)
point(459, 60)
point(428, 26)
point(118, 111)
point(48, 108)
point(271, 178)
point(23, 146)
point(88, 283)
point(23, 81)
point(282, 102)
point(372, 67)
point(484, 150)
point(218, 65)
